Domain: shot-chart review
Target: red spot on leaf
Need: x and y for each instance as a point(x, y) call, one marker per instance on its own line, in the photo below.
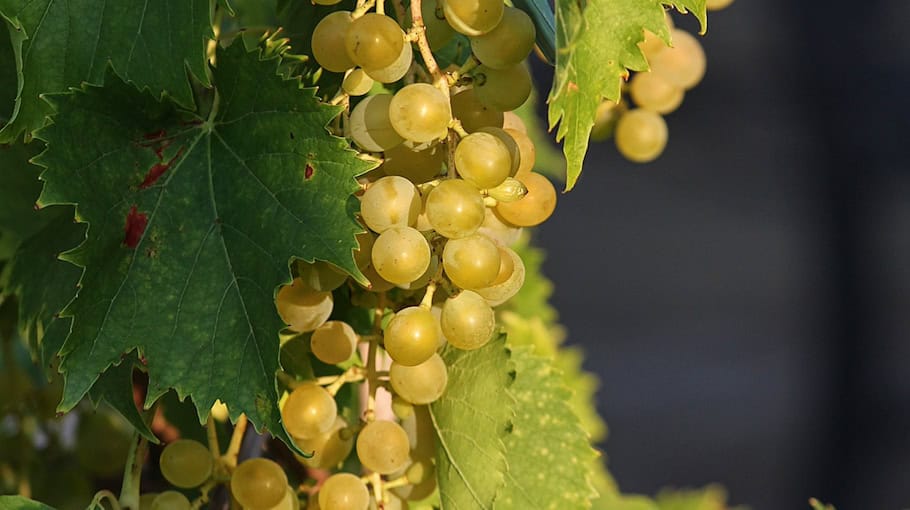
point(308, 172)
point(135, 226)
point(155, 135)
point(36, 207)
point(572, 86)
point(158, 169)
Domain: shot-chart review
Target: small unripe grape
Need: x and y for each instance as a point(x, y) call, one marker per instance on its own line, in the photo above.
point(328, 42)
point(302, 308)
point(357, 83)
point(329, 448)
point(455, 208)
point(510, 190)
point(374, 41)
point(344, 491)
point(468, 321)
point(334, 342)
point(507, 44)
point(186, 463)
point(412, 336)
point(259, 483)
point(471, 262)
point(382, 446)
point(391, 201)
point(473, 17)
point(483, 160)
point(502, 89)
point(535, 207)
point(420, 112)
point(651, 92)
point(472, 113)
point(401, 255)
point(170, 500)
point(641, 135)
point(309, 411)
point(420, 384)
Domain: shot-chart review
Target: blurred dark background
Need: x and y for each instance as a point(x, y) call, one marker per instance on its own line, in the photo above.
point(745, 299)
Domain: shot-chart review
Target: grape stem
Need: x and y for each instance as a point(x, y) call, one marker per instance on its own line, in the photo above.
point(450, 154)
point(132, 474)
point(230, 456)
point(110, 497)
point(362, 8)
point(212, 436)
point(204, 495)
point(420, 31)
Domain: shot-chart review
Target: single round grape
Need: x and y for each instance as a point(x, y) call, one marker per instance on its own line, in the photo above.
point(309, 411)
point(511, 120)
point(397, 69)
point(420, 112)
point(473, 17)
point(527, 151)
point(416, 492)
point(651, 92)
point(509, 43)
point(401, 255)
point(357, 82)
point(510, 190)
point(502, 89)
point(455, 208)
point(716, 5)
point(439, 32)
point(374, 41)
point(302, 308)
point(401, 408)
point(605, 119)
point(423, 279)
point(640, 136)
point(329, 448)
point(510, 143)
point(415, 165)
point(186, 463)
point(258, 483)
point(419, 470)
point(344, 491)
point(483, 160)
point(328, 42)
point(391, 201)
point(382, 446)
point(369, 124)
point(420, 384)
point(471, 262)
point(472, 113)
point(683, 64)
point(333, 342)
point(467, 320)
point(497, 229)
point(320, 276)
point(503, 289)
point(535, 207)
point(411, 337)
point(289, 502)
point(170, 500)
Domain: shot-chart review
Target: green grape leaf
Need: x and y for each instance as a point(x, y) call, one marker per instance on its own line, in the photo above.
point(62, 44)
point(115, 386)
point(20, 503)
point(598, 43)
point(471, 420)
point(192, 225)
point(7, 74)
point(547, 450)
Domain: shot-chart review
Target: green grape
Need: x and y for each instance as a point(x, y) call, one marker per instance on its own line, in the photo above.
point(640, 136)
point(420, 384)
point(391, 201)
point(416, 165)
point(363, 255)
point(527, 151)
point(369, 124)
point(309, 411)
point(328, 42)
point(502, 89)
point(497, 229)
point(606, 117)
point(397, 69)
point(716, 5)
point(510, 143)
point(357, 82)
point(472, 113)
point(374, 41)
point(302, 308)
point(471, 262)
point(439, 32)
point(467, 320)
point(377, 282)
point(333, 342)
point(503, 289)
point(651, 92)
point(510, 120)
point(391, 502)
point(289, 502)
point(320, 276)
point(411, 337)
point(455, 208)
point(683, 64)
point(509, 43)
point(401, 408)
point(170, 500)
point(419, 470)
point(510, 190)
point(344, 491)
point(329, 448)
point(483, 160)
point(423, 279)
point(473, 17)
point(186, 463)
point(416, 492)
point(401, 255)
point(420, 112)
point(258, 483)
point(535, 207)
point(382, 446)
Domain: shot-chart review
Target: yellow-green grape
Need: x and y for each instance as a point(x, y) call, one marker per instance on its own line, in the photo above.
point(472, 113)
point(416, 492)
point(289, 502)
point(333, 342)
point(391, 201)
point(411, 337)
point(258, 484)
point(420, 384)
point(309, 411)
point(471, 262)
point(511, 120)
point(344, 491)
point(439, 32)
point(502, 89)
point(510, 190)
point(467, 320)
point(382, 446)
point(683, 64)
point(423, 279)
point(416, 165)
point(608, 114)
point(363, 254)
point(455, 208)
point(640, 136)
point(329, 448)
point(716, 5)
point(510, 143)
point(503, 289)
point(509, 43)
point(374, 41)
point(651, 92)
point(328, 42)
point(497, 229)
point(420, 112)
point(401, 255)
point(483, 160)
point(302, 308)
point(369, 124)
point(321, 276)
point(377, 282)
point(473, 17)
point(535, 207)
point(186, 463)
point(170, 500)
point(419, 470)
point(397, 69)
point(401, 408)
point(526, 150)
point(390, 502)
point(357, 82)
